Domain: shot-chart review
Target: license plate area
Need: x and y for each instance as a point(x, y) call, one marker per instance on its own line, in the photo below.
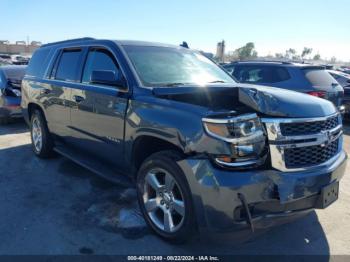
point(329, 194)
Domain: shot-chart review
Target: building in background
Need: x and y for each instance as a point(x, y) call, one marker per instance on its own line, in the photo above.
point(220, 51)
point(20, 47)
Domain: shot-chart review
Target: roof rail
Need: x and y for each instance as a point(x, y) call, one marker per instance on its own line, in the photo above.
point(268, 61)
point(69, 41)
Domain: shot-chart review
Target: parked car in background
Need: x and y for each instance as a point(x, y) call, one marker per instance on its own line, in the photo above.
point(204, 151)
point(344, 80)
point(10, 92)
point(4, 62)
point(6, 58)
point(305, 78)
point(19, 60)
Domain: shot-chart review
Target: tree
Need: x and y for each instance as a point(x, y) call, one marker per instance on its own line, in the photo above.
point(231, 56)
point(333, 59)
point(306, 51)
point(279, 55)
point(290, 53)
point(317, 57)
point(247, 51)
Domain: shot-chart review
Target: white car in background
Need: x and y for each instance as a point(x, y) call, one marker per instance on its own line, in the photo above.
point(19, 60)
point(5, 59)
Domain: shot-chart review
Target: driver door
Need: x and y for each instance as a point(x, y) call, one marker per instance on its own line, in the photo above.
point(98, 111)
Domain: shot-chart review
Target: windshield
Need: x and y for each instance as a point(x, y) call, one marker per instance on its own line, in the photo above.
point(166, 66)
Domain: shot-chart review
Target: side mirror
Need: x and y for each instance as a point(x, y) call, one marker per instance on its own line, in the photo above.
point(108, 77)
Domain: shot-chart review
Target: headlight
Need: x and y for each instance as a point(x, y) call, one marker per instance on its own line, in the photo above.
point(246, 135)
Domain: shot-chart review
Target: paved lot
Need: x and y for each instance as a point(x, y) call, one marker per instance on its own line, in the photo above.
point(56, 207)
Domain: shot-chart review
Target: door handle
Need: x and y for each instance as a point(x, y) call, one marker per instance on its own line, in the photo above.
point(79, 99)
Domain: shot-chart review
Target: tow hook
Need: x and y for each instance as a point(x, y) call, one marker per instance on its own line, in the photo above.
point(246, 208)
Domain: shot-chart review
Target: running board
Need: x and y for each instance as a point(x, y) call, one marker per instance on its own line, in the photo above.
point(94, 166)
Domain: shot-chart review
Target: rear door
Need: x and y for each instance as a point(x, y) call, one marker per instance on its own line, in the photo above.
point(321, 80)
point(64, 75)
point(98, 111)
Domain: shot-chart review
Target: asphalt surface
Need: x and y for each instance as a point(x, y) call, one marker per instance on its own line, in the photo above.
point(57, 207)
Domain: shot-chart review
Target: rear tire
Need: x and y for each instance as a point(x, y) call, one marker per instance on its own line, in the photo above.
point(165, 198)
point(42, 143)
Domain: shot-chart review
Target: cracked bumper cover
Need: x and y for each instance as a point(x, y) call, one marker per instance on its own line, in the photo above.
point(274, 196)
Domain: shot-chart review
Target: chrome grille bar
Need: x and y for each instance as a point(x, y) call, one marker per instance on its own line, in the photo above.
point(279, 143)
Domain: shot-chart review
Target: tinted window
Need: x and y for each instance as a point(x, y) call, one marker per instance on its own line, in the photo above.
point(335, 76)
point(5, 56)
point(230, 69)
point(38, 63)
point(342, 80)
point(69, 65)
point(319, 77)
point(261, 74)
point(99, 59)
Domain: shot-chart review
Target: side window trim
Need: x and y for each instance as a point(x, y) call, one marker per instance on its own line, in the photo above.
point(55, 64)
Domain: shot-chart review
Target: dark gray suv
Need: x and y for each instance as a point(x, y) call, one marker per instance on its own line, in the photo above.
point(305, 78)
point(203, 152)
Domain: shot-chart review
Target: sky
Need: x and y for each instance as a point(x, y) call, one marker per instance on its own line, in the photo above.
point(273, 25)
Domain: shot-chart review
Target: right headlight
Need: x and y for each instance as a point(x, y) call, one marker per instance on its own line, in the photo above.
point(246, 135)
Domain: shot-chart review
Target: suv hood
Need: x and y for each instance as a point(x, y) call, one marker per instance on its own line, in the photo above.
point(269, 101)
point(281, 102)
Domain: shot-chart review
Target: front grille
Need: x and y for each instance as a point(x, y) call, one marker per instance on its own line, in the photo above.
point(309, 128)
point(310, 156)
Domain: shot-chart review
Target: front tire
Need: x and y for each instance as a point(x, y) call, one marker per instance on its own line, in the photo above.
point(165, 198)
point(42, 143)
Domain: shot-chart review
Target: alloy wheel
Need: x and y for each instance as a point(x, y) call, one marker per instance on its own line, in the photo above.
point(163, 200)
point(37, 134)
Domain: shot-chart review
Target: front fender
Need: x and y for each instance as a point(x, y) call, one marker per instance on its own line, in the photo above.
point(175, 122)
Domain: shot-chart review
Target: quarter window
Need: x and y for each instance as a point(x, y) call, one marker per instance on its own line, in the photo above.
point(38, 63)
point(68, 66)
point(99, 59)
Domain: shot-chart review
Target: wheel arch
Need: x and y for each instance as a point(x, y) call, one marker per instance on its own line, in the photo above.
point(32, 107)
point(146, 145)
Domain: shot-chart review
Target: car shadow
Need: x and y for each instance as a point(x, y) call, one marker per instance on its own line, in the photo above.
point(16, 126)
point(82, 202)
point(304, 236)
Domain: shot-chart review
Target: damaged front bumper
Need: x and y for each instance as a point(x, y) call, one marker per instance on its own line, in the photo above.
point(233, 200)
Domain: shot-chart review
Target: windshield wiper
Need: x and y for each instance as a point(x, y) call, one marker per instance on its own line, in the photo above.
point(181, 83)
point(217, 81)
point(177, 84)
